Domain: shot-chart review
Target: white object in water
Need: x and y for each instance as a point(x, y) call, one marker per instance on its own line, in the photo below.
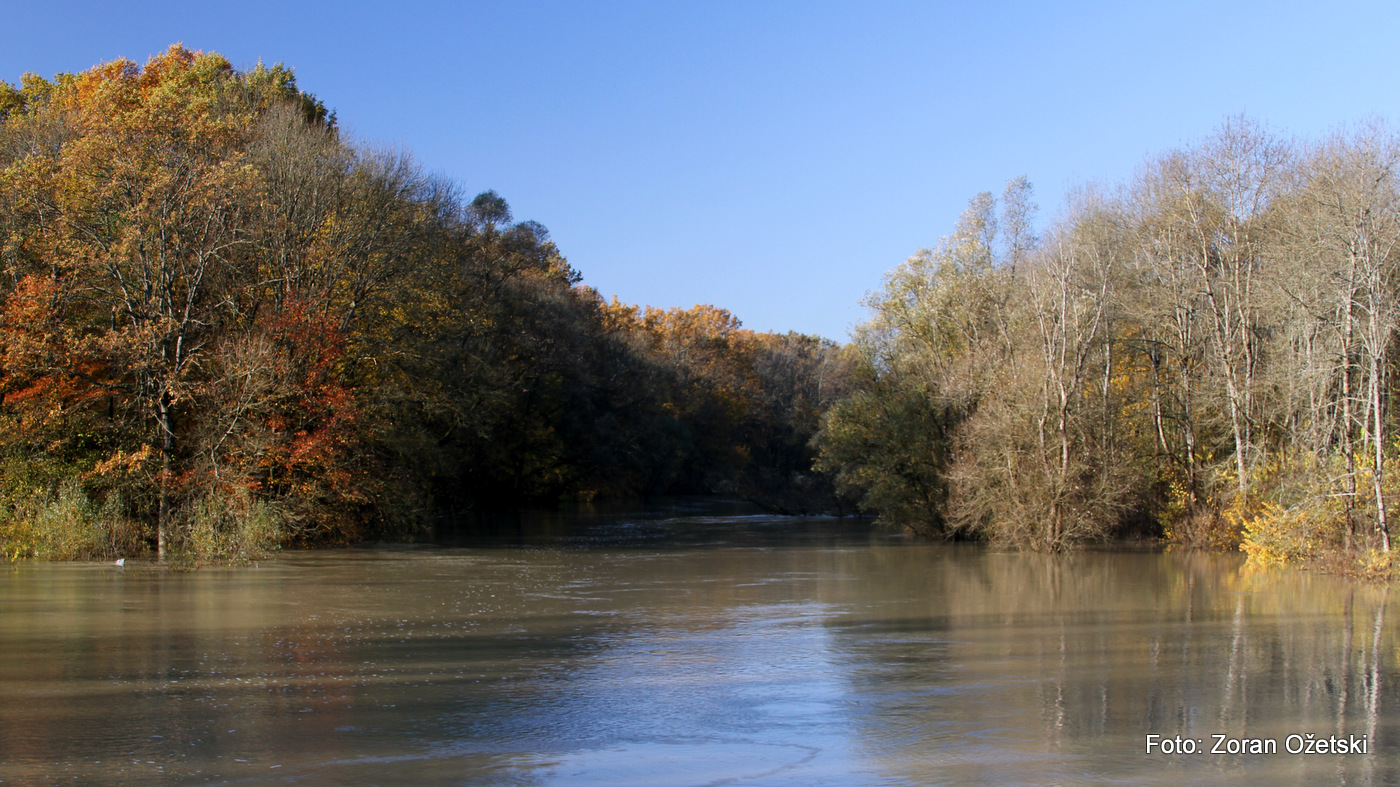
point(121, 561)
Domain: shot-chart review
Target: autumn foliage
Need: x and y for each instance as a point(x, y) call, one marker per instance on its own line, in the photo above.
point(1207, 354)
point(223, 327)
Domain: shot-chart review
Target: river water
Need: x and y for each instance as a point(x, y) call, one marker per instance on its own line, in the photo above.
point(689, 646)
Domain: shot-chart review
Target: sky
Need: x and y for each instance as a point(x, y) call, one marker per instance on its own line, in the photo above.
point(772, 158)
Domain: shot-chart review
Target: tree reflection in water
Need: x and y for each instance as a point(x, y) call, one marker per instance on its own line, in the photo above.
point(753, 649)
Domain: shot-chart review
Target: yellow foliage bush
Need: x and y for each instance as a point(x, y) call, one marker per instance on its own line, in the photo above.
point(1294, 511)
point(1376, 564)
point(1275, 535)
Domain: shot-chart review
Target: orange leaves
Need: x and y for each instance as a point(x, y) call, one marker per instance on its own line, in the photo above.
point(107, 86)
point(293, 423)
point(173, 96)
point(40, 361)
point(129, 271)
point(169, 66)
point(229, 297)
point(52, 382)
point(149, 140)
point(29, 304)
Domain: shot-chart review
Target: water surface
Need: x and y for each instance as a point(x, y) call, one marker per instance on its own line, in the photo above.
point(691, 647)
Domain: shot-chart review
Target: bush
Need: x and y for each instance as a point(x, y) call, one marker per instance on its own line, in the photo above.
point(1274, 535)
point(230, 524)
point(65, 524)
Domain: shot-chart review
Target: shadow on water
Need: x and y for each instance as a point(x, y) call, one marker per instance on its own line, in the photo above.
point(685, 645)
point(662, 523)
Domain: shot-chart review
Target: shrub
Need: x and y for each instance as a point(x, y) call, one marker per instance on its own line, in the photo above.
point(65, 524)
point(231, 524)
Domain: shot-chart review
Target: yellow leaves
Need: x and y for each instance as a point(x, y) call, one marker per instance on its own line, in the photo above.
point(618, 315)
point(701, 321)
point(1273, 535)
point(11, 101)
point(123, 463)
point(1377, 564)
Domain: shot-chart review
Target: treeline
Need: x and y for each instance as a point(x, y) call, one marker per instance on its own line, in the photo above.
point(1206, 352)
point(223, 327)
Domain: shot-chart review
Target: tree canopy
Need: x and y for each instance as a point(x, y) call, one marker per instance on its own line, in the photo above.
point(1207, 352)
point(223, 326)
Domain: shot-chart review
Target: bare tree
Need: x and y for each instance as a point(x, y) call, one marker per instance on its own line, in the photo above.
point(1224, 191)
point(1347, 222)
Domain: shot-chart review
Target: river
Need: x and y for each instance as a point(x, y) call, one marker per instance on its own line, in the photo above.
point(689, 645)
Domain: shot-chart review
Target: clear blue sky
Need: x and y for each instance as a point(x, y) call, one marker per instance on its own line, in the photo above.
point(771, 158)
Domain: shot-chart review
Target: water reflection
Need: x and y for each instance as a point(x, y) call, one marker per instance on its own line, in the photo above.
point(750, 650)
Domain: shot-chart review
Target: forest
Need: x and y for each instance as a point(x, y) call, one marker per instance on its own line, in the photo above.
point(1204, 354)
point(224, 327)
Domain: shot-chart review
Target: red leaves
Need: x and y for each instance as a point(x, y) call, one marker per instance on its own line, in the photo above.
point(313, 419)
point(44, 368)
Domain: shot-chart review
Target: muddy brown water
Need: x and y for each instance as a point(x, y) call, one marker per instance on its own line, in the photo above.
point(689, 645)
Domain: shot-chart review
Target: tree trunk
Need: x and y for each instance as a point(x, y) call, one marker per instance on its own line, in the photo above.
point(167, 447)
point(1382, 526)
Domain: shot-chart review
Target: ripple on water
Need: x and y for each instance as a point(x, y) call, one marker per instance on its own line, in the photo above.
point(652, 764)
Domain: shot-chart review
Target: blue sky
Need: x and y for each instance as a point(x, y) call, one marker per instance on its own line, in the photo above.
point(773, 158)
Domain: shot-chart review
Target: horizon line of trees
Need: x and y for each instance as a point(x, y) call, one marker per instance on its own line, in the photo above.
point(224, 327)
point(1206, 352)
